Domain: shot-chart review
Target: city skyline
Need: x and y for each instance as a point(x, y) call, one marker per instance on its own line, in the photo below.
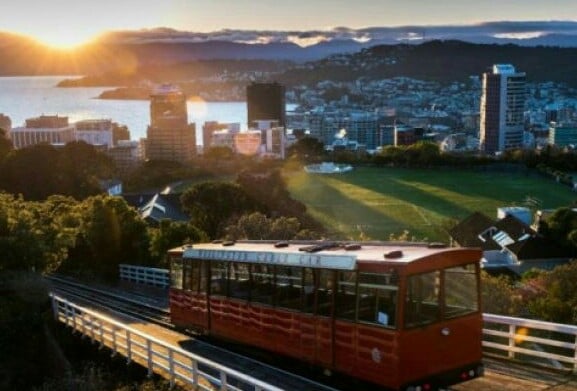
point(65, 23)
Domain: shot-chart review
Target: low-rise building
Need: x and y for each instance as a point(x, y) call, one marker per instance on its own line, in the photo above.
point(509, 245)
point(563, 134)
point(46, 129)
point(127, 154)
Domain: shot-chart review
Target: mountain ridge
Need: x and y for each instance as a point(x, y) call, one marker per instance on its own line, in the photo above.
point(127, 50)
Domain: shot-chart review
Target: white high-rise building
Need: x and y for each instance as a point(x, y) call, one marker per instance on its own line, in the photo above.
point(502, 107)
point(95, 132)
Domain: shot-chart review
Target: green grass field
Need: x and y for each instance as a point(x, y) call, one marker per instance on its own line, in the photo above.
point(373, 203)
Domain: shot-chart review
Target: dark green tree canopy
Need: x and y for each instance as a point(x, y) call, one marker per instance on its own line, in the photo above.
point(307, 149)
point(5, 144)
point(212, 205)
point(171, 234)
point(42, 170)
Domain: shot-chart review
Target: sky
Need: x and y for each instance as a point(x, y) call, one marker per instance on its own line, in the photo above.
point(70, 22)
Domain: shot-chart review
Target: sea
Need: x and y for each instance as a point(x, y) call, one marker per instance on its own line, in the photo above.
point(26, 97)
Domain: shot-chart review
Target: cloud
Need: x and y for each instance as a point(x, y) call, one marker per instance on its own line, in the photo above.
point(483, 32)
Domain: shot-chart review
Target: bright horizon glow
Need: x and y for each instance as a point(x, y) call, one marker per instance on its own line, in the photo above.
point(68, 23)
point(63, 40)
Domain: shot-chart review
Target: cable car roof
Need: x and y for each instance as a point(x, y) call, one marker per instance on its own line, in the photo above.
point(332, 255)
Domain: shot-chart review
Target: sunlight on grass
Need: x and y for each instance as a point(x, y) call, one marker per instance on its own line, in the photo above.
point(373, 203)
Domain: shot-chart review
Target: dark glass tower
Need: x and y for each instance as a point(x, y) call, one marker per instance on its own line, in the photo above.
point(502, 109)
point(265, 101)
point(169, 136)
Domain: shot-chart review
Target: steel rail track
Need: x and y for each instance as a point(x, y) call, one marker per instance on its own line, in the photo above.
point(139, 307)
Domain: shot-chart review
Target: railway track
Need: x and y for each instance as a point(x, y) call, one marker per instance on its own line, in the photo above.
point(137, 306)
point(500, 374)
point(141, 307)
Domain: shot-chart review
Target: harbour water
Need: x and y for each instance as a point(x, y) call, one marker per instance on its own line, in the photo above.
point(31, 96)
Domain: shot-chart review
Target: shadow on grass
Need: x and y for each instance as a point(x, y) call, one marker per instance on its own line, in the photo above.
point(376, 214)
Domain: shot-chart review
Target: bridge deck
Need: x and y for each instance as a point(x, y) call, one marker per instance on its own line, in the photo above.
point(500, 375)
point(233, 361)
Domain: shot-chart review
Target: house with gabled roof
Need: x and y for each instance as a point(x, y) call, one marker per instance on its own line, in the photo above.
point(508, 244)
point(156, 207)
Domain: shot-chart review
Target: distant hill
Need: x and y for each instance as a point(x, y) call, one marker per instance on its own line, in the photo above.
point(125, 61)
point(24, 56)
point(442, 61)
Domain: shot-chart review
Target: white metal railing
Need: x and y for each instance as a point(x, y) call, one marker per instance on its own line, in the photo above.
point(543, 343)
point(177, 365)
point(145, 275)
point(549, 344)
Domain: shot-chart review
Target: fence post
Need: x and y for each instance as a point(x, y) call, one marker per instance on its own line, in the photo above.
point(101, 334)
point(67, 307)
point(171, 368)
point(114, 347)
point(128, 347)
point(575, 357)
point(512, 329)
point(223, 381)
point(55, 307)
point(150, 357)
point(194, 368)
point(92, 323)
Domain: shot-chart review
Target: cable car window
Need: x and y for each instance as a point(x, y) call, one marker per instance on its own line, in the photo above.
point(461, 291)
point(422, 299)
point(308, 290)
point(239, 280)
point(187, 274)
point(195, 266)
point(202, 275)
point(346, 295)
point(325, 292)
point(176, 273)
point(377, 296)
point(289, 281)
point(262, 284)
point(219, 278)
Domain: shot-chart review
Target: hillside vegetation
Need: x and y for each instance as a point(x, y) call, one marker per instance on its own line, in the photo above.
point(442, 61)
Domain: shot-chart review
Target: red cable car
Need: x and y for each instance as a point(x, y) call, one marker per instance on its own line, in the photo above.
point(403, 316)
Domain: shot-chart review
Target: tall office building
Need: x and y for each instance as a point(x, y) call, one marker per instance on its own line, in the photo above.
point(266, 101)
point(502, 106)
point(169, 136)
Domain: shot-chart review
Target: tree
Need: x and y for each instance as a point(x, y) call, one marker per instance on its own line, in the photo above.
point(499, 295)
point(81, 167)
point(423, 153)
point(556, 301)
point(257, 226)
point(32, 172)
point(155, 174)
point(392, 154)
point(269, 188)
point(307, 149)
point(110, 233)
point(5, 144)
point(561, 226)
point(172, 234)
point(219, 153)
point(41, 170)
point(32, 236)
point(211, 205)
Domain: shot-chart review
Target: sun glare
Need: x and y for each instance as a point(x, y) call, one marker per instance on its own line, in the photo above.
point(65, 40)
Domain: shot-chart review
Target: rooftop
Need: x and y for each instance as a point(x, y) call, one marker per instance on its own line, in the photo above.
point(325, 251)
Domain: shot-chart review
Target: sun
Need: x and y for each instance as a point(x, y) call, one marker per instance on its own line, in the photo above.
point(65, 39)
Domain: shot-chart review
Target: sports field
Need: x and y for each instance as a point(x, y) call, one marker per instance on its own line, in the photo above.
point(373, 203)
